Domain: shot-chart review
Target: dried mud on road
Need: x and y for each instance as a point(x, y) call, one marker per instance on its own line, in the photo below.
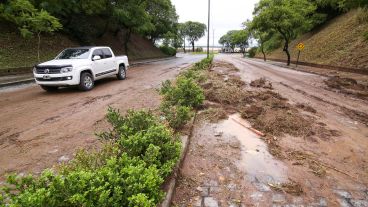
point(259, 142)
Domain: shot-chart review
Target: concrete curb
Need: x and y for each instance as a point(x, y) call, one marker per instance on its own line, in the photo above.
point(315, 65)
point(134, 64)
point(173, 180)
point(31, 80)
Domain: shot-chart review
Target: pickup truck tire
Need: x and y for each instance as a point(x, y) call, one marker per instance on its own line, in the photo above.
point(86, 82)
point(49, 88)
point(122, 73)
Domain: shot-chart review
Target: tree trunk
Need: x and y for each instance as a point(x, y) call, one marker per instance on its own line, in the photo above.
point(286, 50)
point(128, 33)
point(38, 46)
point(286, 46)
point(263, 52)
point(184, 47)
point(193, 49)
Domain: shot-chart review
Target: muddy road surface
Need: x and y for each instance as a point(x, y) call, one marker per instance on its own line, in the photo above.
point(39, 129)
point(230, 165)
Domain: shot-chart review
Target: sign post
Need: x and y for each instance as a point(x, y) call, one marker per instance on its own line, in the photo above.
point(300, 48)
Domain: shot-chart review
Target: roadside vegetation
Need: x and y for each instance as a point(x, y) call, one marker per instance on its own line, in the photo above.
point(138, 153)
point(118, 24)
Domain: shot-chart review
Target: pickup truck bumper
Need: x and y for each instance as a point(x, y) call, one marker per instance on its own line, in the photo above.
point(56, 79)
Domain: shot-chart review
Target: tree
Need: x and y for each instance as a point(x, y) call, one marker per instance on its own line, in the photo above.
point(261, 34)
point(194, 31)
point(240, 39)
point(235, 38)
point(163, 17)
point(131, 16)
point(29, 20)
point(227, 40)
point(288, 17)
point(182, 31)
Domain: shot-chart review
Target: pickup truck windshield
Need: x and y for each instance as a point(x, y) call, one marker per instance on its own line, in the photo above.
point(73, 54)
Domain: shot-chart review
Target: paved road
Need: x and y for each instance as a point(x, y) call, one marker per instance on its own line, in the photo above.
point(38, 128)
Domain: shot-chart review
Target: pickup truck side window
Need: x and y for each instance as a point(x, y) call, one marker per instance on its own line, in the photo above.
point(98, 52)
point(107, 53)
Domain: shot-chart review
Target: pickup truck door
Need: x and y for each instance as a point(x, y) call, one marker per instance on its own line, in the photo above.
point(110, 61)
point(98, 66)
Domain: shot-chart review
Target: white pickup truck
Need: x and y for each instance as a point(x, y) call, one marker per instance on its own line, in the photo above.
point(80, 67)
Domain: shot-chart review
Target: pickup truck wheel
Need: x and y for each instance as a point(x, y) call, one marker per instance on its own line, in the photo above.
point(122, 73)
point(49, 88)
point(86, 82)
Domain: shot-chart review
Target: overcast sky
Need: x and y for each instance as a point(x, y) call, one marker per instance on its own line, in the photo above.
point(225, 14)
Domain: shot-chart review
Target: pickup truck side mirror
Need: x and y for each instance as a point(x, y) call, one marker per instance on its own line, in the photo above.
point(96, 57)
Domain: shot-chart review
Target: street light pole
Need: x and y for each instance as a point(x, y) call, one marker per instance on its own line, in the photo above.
point(208, 29)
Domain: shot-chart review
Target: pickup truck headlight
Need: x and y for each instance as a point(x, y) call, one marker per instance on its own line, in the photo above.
point(66, 70)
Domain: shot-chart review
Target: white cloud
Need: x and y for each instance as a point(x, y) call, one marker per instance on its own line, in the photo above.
point(225, 14)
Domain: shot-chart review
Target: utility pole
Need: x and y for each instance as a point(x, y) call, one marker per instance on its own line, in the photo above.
point(208, 29)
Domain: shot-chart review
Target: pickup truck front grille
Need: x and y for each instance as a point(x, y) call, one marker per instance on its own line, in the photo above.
point(50, 69)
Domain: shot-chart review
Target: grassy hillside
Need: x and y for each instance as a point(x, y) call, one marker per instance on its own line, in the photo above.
point(16, 51)
point(341, 42)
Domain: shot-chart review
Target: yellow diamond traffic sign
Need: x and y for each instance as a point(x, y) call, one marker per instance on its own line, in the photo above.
point(300, 46)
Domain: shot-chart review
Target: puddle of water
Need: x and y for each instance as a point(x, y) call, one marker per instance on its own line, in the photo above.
point(256, 161)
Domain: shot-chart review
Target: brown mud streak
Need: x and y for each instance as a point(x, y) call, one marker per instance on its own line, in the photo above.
point(353, 114)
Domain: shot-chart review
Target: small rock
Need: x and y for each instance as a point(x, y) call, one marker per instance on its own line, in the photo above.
point(278, 198)
point(63, 159)
point(53, 151)
point(200, 189)
point(210, 202)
